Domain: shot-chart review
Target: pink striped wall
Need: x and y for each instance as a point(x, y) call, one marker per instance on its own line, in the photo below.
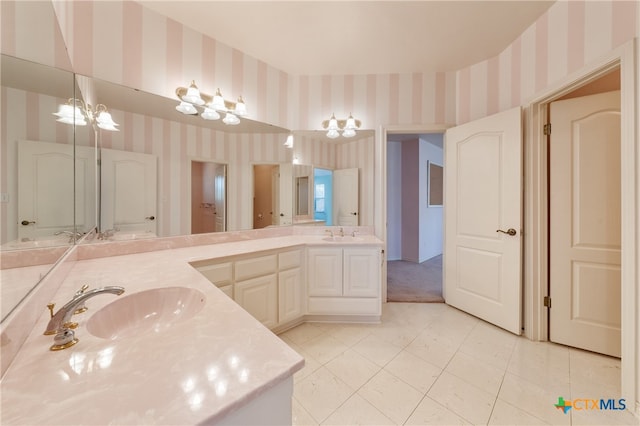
point(135, 42)
point(142, 49)
point(30, 31)
point(567, 37)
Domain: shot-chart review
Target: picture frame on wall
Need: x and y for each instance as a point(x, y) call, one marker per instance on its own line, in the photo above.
point(435, 187)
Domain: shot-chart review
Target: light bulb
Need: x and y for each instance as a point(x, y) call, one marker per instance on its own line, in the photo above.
point(231, 119)
point(333, 134)
point(193, 95)
point(186, 108)
point(210, 114)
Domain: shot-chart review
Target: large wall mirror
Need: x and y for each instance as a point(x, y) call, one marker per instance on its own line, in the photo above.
point(196, 176)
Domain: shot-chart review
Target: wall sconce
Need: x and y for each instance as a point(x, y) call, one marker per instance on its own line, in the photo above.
point(191, 97)
point(334, 126)
point(71, 113)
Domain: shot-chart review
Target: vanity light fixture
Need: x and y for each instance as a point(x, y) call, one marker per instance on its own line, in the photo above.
point(212, 106)
point(75, 111)
point(348, 127)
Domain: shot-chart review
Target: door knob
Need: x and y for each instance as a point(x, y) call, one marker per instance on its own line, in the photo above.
point(509, 231)
point(354, 213)
point(150, 218)
point(27, 222)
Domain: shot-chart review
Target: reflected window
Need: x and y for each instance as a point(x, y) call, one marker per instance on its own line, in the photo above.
point(319, 198)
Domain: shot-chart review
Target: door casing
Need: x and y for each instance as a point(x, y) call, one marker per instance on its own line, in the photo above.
point(536, 266)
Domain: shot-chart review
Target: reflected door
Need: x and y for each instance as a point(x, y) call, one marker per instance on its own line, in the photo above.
point(45, 188)
point(346, 195)
point(128, 191)
point(585, 223)
point(220, 197)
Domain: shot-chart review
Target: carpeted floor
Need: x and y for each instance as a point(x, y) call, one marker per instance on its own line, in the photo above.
point(415, 282)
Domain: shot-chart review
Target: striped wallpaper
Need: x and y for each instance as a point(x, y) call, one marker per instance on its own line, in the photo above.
point(569, 36)
point(142, 49)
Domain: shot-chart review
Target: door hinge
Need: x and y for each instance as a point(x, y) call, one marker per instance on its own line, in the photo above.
point(546, 129)
point(547, 301)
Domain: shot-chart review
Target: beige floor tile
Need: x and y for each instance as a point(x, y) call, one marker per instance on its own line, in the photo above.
point(353, 369)
point(542, 363)
point(476, 372)
point(360, 374)
point(464, 399)
point(302, 333)
point(300, 416)
point(321, 393)
point(490, 344)
point(535, 399)
point(430, 412)
point(376, 349)
point(393, 397)
point(324, 348)
point(357, 411)
point(432, 349)
point(506, 414)
point(413, 370)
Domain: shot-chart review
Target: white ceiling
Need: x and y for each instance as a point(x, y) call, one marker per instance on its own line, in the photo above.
point(307, 37)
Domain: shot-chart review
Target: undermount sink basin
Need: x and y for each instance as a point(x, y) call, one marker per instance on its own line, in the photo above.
point(147, 311)
point(343, 239)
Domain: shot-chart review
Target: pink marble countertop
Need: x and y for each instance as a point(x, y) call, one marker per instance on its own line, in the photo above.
point(197, 371)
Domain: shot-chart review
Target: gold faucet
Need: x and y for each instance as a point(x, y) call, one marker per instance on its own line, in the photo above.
point(60, 323)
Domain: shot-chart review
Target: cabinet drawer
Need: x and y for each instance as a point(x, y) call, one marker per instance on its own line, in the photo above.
point(289, 259)
point(256, 267)
point(220, 274)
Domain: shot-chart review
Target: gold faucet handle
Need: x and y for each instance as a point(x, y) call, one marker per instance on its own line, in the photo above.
point(82, 308)
point(51, 306)
point(71, 325)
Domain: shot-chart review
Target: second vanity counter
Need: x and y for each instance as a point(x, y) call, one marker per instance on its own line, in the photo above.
point(197, 371)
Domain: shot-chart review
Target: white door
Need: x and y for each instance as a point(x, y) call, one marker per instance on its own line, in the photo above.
point(45, 189)
point(282, 194)
point(285, 194)
point(128, 191)
point(483, 180)
point(220, 197)
point(585, 223)
point(346, 195)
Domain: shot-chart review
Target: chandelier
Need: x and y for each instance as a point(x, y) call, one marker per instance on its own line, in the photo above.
point(334, 127)
point(191, 98)
point(75, 111)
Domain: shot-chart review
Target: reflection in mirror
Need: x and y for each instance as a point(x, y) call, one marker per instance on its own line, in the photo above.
point(150, 126)
point(340, 180)
point(37, 174)
point(208, 197)
point(302, 196)
point(272, 195)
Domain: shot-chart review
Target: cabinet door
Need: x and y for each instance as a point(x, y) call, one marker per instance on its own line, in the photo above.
point(325, 272)
point(289, 295)
point(259, 297)
point(220, 274)
point(361, 272)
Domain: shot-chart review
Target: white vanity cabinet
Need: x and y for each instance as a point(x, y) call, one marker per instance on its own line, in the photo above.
point(290, 286)
point(256, 288)
point(268, 285)
point(344, 281)
point(221, 275)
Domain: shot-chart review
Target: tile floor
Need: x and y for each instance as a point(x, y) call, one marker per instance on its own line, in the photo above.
point(433, 364)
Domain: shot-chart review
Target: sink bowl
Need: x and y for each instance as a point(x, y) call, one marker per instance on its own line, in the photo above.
point(343, 239)
point(147, 311)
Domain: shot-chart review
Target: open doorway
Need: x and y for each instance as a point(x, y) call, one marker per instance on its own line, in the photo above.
point(208, 197)
point(414, 217)
point(585, 217)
